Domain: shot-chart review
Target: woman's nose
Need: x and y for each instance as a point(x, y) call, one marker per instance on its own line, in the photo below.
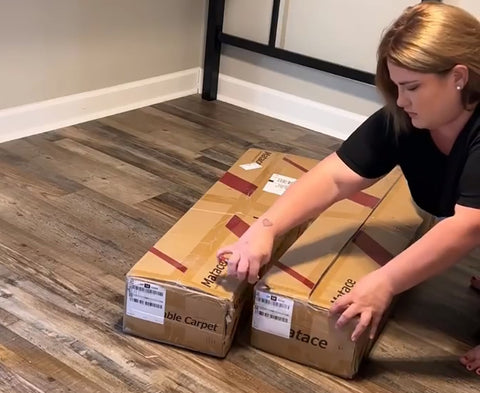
point(401, 100)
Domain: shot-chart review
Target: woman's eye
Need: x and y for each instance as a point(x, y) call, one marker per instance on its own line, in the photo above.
point(412, 88)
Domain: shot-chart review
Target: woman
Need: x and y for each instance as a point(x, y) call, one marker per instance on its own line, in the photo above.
point(428, 72)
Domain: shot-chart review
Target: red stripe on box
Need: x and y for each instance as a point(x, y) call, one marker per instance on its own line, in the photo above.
point(295, 164)
point(372, 248)
point(365, 199)
point(361, 197)
point(237, 226)
point(237, 183)
point(296, 275)
point(166, 258)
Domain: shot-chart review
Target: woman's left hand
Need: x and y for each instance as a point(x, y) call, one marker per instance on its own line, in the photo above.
point(368, 299)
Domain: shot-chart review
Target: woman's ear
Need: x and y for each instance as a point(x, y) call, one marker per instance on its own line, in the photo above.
point(460, 76)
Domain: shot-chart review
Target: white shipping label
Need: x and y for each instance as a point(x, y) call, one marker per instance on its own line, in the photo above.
point(145, 301)
point(278, 184)
point(272, 314)
point(249, 167)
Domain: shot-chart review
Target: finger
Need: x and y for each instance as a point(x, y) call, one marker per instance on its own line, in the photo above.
point(242, 268)
point(232, 262)
point(254, 269)
point(224, 250)
point(375, 323)
point(351, 312)
point(253, 272)
point(365, 318)
point(340, 305)
point(224, 253)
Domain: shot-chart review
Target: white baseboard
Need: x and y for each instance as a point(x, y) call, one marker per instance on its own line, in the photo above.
point(30, 119)
point(307, 113)
point(25, 120)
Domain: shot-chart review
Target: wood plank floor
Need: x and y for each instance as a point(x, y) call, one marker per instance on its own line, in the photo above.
point(79, 206)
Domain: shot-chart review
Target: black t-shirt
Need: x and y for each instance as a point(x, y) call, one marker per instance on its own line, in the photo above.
point(437, 181)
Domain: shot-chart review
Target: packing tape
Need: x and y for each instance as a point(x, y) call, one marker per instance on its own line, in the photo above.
point(237, 226)
point(298, 166)
point(365, 199)
point(360, 197)
point(237, 183)
point(372, 248)
point(168, 259)
point(364, 241)
point(217, 235)
point(287, 269)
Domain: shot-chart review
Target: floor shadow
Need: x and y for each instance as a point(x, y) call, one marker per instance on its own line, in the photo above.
point(447, 367)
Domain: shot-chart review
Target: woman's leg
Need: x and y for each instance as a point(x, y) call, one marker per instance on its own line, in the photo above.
point(471, 360)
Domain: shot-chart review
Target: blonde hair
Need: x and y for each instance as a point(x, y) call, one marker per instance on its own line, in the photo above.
point(430, 37)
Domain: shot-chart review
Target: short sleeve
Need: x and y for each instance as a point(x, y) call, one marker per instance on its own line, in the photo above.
point(469, 185)
point(371, 150)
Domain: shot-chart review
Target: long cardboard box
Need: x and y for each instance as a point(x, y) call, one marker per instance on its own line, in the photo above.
point(178, 293)
point(290, 312)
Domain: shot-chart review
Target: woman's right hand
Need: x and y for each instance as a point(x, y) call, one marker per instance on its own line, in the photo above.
point(246, 256)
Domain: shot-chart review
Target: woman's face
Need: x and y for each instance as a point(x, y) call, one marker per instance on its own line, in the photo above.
point(431, 100)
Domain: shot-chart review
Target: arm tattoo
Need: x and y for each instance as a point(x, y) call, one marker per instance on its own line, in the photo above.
point(266, 222)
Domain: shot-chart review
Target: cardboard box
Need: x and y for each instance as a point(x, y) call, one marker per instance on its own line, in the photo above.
point(178, 292)
point(290, 312)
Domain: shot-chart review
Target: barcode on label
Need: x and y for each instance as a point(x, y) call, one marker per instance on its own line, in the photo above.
point(271, 316)
point(146, 303)
point(273, 313)
point(147, 290)
point(274, 304)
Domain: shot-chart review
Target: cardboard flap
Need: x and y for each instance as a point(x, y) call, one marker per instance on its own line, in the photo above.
point(186, 254)
point(387, 232)
point(290, 313)
point(300, 269)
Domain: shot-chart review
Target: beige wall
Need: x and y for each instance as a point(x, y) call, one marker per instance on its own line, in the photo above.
point(329, 30)
point(346, 32)
point(472, 6)
point(300, 81)
point(248, 19)
point(53, 48)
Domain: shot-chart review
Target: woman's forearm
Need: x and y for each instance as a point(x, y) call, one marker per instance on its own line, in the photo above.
point(443, 246)
point(328, 182)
